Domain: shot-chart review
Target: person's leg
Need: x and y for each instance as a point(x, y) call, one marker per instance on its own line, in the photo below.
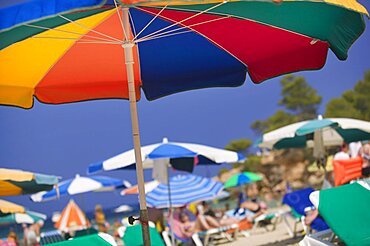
point(201, 223)
point(311, 217)
point(212, 221)
point(228, 221)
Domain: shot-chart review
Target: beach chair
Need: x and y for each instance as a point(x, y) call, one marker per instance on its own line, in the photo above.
point(51, 237)
point(346, 210)
point(85, 232)
point(347, 170)
point(300, 203)
point(200, 238)
point(267, 221)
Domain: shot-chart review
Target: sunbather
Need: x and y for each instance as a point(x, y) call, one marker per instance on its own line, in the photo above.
point(251, 201)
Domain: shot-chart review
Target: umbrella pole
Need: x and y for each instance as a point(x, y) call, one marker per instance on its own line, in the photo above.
point(171, 209)
point(129, 60)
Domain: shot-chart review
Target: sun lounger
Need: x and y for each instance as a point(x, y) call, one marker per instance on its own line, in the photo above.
point(267, 220)
point(51, 237)
point(219, 233)
point(299, 203)
point(346, 210)
point(206, 236)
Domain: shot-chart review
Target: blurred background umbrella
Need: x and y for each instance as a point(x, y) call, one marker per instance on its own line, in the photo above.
point(79, 185)
point(149, 186)
point(7, 208)
point(29, 217)
point(317, 134)
point(241, 179)
point(72, 218)
point(333, 131)
point(184, 189)
point(17, 182)
point(181, 156)
point(123, 208)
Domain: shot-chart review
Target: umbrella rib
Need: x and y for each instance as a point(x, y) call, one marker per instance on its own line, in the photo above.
point(132, 22)
point(186, 19)
point(89, 29)
point(85, 41)
point(172, 32)
point(162, 36)
point(120, 20)
point(69, 32)
point(150, 22)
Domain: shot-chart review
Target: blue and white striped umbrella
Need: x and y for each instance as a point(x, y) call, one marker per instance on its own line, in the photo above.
point(184, 189)
point(80, 185)
point(181, 154)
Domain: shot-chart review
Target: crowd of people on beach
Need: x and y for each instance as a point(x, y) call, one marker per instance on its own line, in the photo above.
point(202, 216)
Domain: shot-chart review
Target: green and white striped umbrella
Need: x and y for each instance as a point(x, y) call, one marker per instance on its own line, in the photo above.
point(317, 133)
point(29, 217)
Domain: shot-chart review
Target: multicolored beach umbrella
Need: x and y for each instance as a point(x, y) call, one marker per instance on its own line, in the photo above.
point(17, 182)
point(79, 185)
point(57, 56)
point(241, 179)
point(29, 217)
point(182, 190)
point(181, 156)
point(333, 131)
point(49, 52)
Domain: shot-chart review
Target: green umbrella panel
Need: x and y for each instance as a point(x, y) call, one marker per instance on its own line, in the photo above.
point(100, 239)
point(346, 210)
point(133, 236)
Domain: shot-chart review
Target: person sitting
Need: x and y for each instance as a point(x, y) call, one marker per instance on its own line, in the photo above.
point(343, 153)
point(365, 152)
point(12, 239)
point(252, 203)
point(187, 227)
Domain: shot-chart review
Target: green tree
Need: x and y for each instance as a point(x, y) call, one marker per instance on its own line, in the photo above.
point(353, 103)
point(299, 97)
point(240, 145)
point(300, 102)
point(279, 119)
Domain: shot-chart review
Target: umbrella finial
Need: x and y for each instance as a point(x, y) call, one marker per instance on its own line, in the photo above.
point(319, 117)
point(165, 140)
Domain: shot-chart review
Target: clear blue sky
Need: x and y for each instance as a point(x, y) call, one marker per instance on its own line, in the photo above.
point(64, 139)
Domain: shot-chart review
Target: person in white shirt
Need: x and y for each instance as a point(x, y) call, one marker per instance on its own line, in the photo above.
point(343, 153)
